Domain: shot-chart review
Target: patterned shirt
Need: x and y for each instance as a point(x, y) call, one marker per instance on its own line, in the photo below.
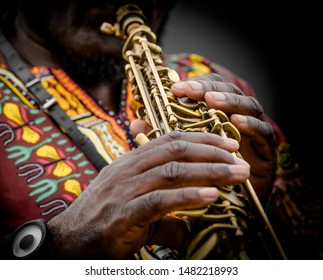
point(42, 171)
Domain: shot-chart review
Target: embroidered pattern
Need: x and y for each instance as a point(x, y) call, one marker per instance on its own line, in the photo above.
point(50, 172)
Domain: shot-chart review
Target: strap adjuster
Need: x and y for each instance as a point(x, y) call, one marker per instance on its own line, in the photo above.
point(32, 82)
point(49, 103)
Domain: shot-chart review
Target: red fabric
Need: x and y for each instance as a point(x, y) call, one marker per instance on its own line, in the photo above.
point(293, 205)
point(31, 186)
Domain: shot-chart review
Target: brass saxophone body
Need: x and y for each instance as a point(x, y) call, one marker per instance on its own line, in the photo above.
point(233, 227)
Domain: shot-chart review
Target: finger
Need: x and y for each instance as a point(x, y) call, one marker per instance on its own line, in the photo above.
point(191, 89)
point(233, 103)
point(195, 87)
point(254, 128)
point(181, 174)
point(150, 154)
point(261, 132)
point(191, 86)
point(152, 206)
point(206, 77)
point(184, 151)
point(139, 126)
point(214, 82)
point(196, 137)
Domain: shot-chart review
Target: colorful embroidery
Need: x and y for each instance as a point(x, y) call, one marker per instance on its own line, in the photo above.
point(50, 172)
point(48, 167)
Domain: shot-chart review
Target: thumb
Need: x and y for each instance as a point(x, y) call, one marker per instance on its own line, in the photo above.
point(139, 126)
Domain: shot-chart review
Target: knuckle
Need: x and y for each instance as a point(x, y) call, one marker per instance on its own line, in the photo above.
point(206, 77)
point(271, 132)
point(233, 88)
point(173, 135)
point(259, 111)
point(213, 170)
point(209, 85)
point(213, 82)
point(181, 195)
point(208, 80)
point(153, 202)
point(214, 77)
point(236, 99)
point(178, 147)
point(173, 171)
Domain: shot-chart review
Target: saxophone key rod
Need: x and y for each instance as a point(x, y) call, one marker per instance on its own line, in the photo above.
point(231, 215)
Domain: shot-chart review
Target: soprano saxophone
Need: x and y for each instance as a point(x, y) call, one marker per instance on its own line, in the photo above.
point(235, 226)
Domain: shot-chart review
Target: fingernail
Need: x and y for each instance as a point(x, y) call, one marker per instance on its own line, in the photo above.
point(209, 194)
point(241, 119)
point(195, 86)
point(231, 142)
point(241, 171)
point(218, 96)
point(179, 86)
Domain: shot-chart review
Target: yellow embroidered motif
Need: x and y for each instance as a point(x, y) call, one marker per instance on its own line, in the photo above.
point(65, 99)
point(196, 58)
point(12, 112)
point(61, 169)
point(199, 68)
point(61, 101)
point(73, 186)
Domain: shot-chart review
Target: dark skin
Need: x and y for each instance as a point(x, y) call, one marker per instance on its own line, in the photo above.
point(163, 175)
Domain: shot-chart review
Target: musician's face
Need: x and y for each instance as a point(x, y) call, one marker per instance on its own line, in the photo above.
point(75, 24)
point(71, 30)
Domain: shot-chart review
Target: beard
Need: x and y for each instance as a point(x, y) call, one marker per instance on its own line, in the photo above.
point(93, 69)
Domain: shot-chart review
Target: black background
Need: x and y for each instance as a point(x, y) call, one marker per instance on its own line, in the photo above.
point(272, 46)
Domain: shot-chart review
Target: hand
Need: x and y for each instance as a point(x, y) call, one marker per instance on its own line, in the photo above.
point(126, 205)
point(247, 115)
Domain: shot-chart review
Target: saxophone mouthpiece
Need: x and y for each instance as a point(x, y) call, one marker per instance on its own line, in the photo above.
point(107, 28)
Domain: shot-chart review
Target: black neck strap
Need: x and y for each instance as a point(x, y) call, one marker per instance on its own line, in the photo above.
point(48, 103)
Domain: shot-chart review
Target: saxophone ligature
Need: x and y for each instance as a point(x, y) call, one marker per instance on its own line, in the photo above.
point(236, 225)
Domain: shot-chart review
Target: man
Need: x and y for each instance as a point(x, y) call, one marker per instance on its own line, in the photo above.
point(92, 211)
